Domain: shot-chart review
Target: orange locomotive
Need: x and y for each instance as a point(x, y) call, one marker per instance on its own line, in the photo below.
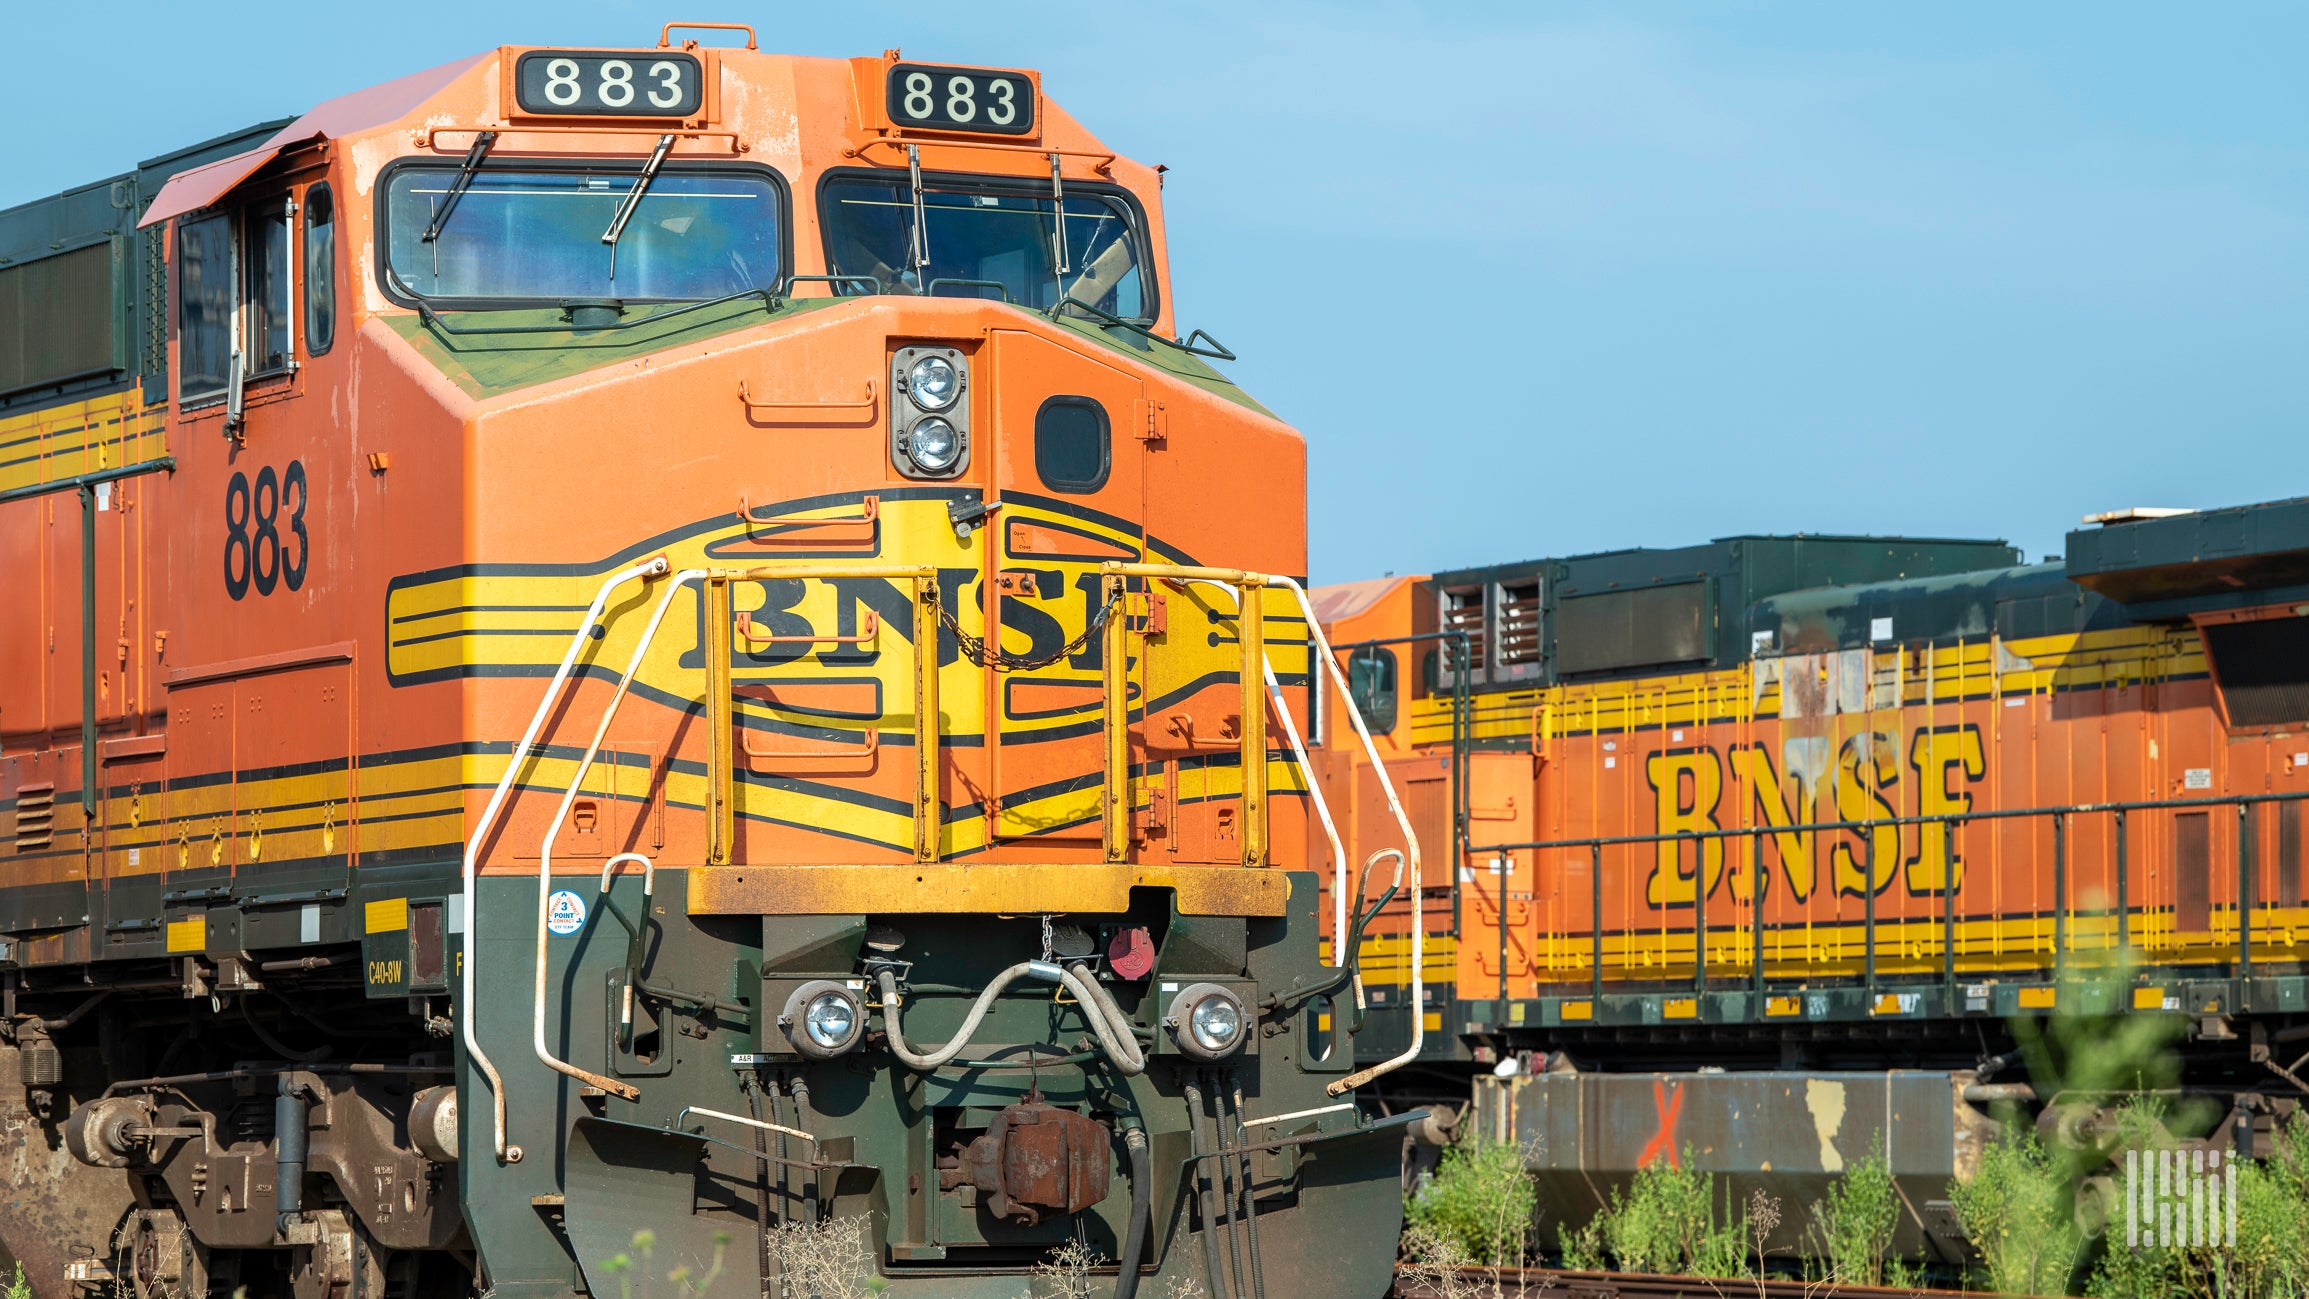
point(1830, 812)
point(666, 639)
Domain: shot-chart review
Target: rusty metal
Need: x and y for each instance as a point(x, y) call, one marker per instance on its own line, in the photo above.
point(1005, 888)
point(1038, 1159)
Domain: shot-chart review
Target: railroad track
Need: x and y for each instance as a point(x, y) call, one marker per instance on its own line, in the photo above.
point(1532, 1282)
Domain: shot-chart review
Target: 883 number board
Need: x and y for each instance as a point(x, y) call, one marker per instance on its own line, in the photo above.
point(601, 83)
point(938, 98)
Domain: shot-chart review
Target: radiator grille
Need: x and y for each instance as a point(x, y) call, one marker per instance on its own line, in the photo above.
point(35, 816)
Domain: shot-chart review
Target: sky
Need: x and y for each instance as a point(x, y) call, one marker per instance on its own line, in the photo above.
point(1544, 279)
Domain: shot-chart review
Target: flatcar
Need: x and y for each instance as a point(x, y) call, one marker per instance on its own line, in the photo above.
point(1757, 848)
point(655, 640)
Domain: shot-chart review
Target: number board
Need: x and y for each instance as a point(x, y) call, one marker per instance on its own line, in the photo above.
point(581, 83)
point(960, 99)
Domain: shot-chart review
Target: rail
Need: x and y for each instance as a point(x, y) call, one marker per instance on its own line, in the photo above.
point(2238, 909)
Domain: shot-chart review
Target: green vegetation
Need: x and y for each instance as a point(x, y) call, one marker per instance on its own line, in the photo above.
point(1480, 1205)
point(2017, 1211)
point(18, 1288)
point(2269, 1261)
point(1670, 1222)
point(1852, 1227)
point(638, 1260)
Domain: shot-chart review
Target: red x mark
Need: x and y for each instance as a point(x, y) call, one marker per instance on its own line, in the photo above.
point(1669, 1102)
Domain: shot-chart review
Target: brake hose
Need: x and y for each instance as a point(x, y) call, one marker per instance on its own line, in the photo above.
point(1106, 1019)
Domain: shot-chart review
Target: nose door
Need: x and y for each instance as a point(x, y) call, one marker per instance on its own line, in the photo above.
point(1070, 477)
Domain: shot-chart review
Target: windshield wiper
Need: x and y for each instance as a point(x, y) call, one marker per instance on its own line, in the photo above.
point(633, 196)
point(473, 157)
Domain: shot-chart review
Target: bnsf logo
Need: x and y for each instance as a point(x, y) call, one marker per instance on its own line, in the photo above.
point(1859, 780)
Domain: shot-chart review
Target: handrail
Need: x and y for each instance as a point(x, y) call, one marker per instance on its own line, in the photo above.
point(468, 1010)
point(931, 290)
point(428, 137)
point(754, 408)
point(1251, 745)
point(1106, 157)
point(721, 722)
point(1948, 823)
point(665, 38)
point(553, 830)
point(439, 320)
point(1250, 634)
point(1330, 660)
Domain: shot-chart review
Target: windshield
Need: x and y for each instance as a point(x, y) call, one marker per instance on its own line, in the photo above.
point(988, 234)
point(537, 233)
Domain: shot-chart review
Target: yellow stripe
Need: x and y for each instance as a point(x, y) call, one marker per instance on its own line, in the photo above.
point(73, 438)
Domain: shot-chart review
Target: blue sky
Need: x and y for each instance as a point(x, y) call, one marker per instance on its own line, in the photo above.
point(1548, 278)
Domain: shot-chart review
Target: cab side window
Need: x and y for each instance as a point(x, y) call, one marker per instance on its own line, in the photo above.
point(266, 247)
point(204, 307)
point(1371, 682)
point(320, 270)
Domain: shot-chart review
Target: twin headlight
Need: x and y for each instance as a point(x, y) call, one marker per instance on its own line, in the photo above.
point(1207, 1021)
point(823, 1019)
point(929, 412)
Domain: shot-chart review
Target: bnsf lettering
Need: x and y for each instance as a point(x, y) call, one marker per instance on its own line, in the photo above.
point(1861, 784)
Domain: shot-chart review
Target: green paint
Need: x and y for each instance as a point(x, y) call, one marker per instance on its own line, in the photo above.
point(487, 365)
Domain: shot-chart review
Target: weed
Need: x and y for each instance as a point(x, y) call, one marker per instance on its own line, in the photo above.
point(1066, 1273)
point(1481, 1199)
point(2269, 1261)
point(1433, 1263)
point(18, 1288)
point(1184, 1287)
point(1852, 1227)
point(1582, 1250)
point(644, 1245)
point(827, 1260)
point(1669, 1222)
point(2016, 1212)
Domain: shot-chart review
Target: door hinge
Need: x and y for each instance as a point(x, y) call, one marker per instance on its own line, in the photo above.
point(1154, 422)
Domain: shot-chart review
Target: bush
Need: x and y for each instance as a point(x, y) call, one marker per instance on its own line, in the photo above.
point(2269, 1261)
point(1668, 1221)
point(2016, 1212)
point(1852, 1228)
point(1480, 1200)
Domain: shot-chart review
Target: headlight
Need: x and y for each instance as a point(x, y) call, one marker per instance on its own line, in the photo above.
point(933, 444)
point(823, 1019)
point(934, 383)
point(1207, 1021)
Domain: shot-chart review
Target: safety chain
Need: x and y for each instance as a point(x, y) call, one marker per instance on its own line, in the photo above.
point(994, 657)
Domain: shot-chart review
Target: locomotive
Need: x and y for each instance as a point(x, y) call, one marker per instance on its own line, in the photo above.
point(1759, 849)
point(628, 660)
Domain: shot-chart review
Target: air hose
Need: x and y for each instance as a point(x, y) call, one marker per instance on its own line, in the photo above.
point(1141, 1200)
point(1106, 1018)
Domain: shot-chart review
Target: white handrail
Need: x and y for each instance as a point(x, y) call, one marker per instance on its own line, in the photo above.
point(470, 1012)
point(1322, 813)
point(1410, 844)
point(553, 830)
point(1306, 769)
point(1321, 648)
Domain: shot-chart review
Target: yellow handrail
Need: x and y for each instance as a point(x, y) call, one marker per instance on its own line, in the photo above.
point(1250, 620)
point(721, 723)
